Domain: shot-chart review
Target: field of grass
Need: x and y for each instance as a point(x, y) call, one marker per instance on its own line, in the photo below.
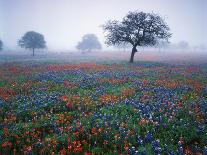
point(143, 108)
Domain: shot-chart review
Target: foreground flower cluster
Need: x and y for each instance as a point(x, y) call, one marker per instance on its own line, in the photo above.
point(90, 109)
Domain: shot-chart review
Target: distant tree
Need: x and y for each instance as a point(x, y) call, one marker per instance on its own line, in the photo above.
point(89, 42)
point(202, 47)
point(1, 45)
point(32, 40)
point(183, 45)
point(138, 29)
point(162, 44)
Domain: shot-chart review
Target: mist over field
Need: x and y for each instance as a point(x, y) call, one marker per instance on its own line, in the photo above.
point(174, 57)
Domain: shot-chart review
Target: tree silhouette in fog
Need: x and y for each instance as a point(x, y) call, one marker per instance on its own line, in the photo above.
point(1, 45)
point(183, 45)
point(138, 29)
point(32, 40)
point(89, 42)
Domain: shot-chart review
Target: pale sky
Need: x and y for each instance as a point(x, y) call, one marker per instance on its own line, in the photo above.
point(64, 22)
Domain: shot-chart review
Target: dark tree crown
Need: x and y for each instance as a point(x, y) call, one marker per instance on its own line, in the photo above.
point(32, 40)
point(89, 42)
point(138, 29)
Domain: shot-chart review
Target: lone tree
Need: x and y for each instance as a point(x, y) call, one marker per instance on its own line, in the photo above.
point(88, 43)
point(138, 29)
point(32, 40)
point(1, 45)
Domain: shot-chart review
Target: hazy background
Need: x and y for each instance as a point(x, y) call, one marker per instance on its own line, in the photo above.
point(64, 22)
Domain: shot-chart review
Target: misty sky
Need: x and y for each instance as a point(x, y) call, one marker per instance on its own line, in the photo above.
point(64, 22)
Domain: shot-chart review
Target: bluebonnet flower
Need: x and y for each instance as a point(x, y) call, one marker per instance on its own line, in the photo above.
point(148, 137)
point(205, 151)
point(139, 141)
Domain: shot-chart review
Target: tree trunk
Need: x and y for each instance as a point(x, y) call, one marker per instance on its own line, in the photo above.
point(32, 51)
point(134, 50)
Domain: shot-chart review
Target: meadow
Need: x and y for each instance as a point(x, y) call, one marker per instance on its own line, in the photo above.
point(145, 108)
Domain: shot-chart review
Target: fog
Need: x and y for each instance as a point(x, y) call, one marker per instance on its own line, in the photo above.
point(64, 22)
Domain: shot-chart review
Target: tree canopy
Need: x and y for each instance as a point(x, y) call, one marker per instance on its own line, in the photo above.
point(138, 29)
point(32, 40)
point(89, 42)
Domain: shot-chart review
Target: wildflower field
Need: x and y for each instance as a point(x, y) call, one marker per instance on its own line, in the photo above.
point(97, 108)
